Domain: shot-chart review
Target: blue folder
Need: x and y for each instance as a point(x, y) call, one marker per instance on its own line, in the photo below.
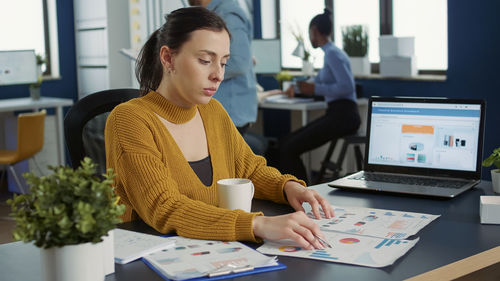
point(256, 270)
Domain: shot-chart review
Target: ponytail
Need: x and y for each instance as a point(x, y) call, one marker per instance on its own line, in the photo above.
point(148, 67)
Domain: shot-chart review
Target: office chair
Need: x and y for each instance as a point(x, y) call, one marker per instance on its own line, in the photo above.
point(30, 135)
point(336, 167)
point(84, 125)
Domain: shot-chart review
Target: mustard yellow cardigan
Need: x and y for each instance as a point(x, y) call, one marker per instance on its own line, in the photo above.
point(156, 182)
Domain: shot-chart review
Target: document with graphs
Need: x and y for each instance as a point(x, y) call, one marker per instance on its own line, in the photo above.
point(360, 236)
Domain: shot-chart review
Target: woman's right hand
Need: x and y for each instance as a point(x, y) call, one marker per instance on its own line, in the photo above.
point(295, 226)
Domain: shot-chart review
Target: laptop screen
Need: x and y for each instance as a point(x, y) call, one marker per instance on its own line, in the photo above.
point(432, 134)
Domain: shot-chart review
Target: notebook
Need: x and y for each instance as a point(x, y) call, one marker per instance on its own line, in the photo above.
point(422, 146)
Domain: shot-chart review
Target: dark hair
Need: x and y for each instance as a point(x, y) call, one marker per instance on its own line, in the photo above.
point(323, 22)
point(173, 33)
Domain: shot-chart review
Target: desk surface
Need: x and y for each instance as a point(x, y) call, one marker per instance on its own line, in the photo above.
point(29, 103)
point(457, 234)
point(314, 105)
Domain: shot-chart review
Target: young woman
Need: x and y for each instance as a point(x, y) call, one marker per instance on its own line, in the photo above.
point(170, 146)
point(336, 83)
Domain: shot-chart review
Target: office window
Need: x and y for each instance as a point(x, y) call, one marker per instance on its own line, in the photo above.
point(26, 24)
point(426, 20)
point(297, 15)
point(358, 12)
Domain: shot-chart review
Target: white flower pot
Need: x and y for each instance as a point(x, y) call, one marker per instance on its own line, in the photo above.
point(495, 180)
point(360, 65)
point(82, 262)
point(108, 253)
point(307, 68)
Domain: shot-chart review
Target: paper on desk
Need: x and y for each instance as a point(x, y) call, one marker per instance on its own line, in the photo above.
point(192, 258)
point(282, 98)
point(375, 222)
point(131, 245)
point(346, 248)
point(360, 236)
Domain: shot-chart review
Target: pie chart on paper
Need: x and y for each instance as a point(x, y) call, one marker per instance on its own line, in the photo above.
point(289, 249)
point(349, 240)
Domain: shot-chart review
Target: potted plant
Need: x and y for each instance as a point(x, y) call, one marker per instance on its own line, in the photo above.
point(67, 214)
point(494, 159)
point(301, 51)
point(35, 87)
point(355, 41)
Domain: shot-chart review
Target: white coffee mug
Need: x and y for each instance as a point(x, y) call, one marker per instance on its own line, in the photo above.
point(235, 194)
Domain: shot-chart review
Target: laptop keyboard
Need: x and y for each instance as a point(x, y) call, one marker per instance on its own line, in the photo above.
point(409, 180)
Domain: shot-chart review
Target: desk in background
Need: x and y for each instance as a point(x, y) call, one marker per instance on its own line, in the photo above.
point(456, 235)
point(11, 105)
point(306, 108)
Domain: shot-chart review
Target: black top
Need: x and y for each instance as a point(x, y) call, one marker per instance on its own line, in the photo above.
point(203, 169)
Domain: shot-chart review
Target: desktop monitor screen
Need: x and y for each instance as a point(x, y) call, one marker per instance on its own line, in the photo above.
point(18, 67)
point(267, 55)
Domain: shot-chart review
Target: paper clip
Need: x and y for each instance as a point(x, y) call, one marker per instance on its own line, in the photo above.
point(236, 270)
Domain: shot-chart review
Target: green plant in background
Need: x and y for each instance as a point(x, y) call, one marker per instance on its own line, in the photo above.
point(283, 76)
point(493, 159)
point(355, 40)
point(40, 61)
point(38, 82)
point(67, 207)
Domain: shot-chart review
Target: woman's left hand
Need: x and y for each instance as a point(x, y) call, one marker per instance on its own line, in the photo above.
point(298, 194)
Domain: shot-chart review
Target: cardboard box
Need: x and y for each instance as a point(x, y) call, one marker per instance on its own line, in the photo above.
point(398, 66)
point(489, 209)
point(391, 46)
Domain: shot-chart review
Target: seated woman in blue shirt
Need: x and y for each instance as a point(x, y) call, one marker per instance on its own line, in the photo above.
point(336, 83)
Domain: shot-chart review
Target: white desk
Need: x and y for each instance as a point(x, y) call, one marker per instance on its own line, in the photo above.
point(304, 107)
point(10, 105)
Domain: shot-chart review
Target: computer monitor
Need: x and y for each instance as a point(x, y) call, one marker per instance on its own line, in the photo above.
point(18, 67)
point(267, 55)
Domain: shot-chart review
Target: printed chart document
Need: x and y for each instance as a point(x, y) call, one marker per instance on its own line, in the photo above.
point(346, 248)
point(193, 258)
point(131, 245)
point(375, 222)
point(360, 236)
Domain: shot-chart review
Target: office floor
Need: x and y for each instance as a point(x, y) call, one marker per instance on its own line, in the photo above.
point(6, 223)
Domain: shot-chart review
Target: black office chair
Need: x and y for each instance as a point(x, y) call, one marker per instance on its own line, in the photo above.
point(84, 125)
point(336, 167)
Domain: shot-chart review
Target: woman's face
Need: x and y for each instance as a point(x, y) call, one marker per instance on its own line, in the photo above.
point(313, 36)
point(197, 68)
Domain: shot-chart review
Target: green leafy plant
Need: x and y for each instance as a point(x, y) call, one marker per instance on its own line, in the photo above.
point(355, 40)
point(38, 83)
point(67, 207)
point(283, 76)
point(493, 159)
point(40, 61)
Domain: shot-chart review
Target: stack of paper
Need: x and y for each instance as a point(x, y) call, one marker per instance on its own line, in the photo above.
point(193, 258)
point(130, 245)
point(361, 236)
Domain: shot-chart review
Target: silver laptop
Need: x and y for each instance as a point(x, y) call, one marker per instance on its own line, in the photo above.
point(422, 146)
